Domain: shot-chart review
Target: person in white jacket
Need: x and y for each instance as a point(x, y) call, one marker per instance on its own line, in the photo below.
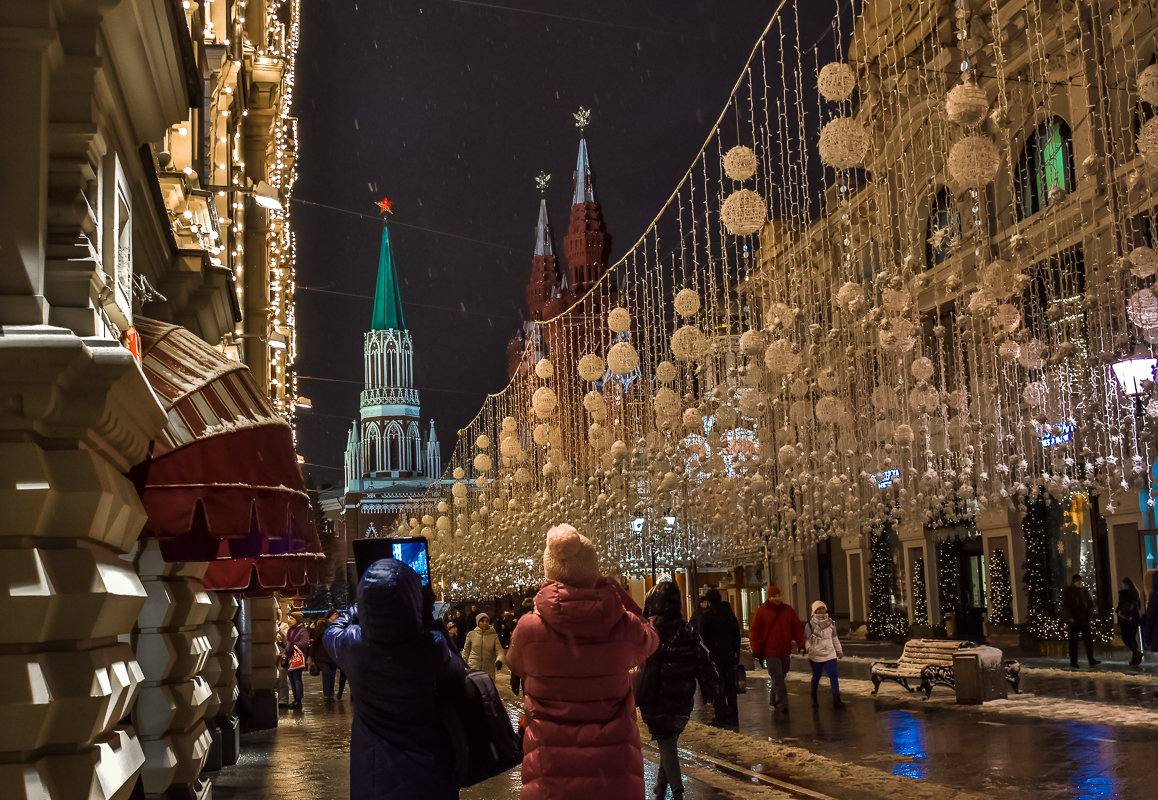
point(823, 650)
point(483, 649)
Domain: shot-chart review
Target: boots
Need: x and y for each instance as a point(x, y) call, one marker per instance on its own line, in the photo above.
point(815, 702)
point(837, 702)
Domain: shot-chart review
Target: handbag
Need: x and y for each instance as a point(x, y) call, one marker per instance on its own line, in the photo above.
point(297, 660)
point(481, 736)
point(646, 684)
point(315, 670)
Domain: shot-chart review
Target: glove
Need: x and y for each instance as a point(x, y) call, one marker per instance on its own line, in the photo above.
point(498, 665)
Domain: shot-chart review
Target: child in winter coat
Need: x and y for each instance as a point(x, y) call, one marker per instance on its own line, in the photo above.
point(823, 650)
point(483, 650)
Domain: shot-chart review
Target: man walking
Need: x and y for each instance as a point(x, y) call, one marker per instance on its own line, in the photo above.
point(1078, 607)
point(774, 628)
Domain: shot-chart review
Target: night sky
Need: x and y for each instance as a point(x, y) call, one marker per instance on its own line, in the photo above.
point(450, 108)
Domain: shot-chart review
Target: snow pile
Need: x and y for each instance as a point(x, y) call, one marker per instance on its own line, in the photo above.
point(832, 777)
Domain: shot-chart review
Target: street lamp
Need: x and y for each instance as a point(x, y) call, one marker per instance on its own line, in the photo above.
point(1132, 370)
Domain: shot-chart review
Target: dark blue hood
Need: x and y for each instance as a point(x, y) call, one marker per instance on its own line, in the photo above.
point(390, 602)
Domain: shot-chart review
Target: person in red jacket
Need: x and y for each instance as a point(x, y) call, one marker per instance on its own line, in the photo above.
point(573, 653)
point(774, 628)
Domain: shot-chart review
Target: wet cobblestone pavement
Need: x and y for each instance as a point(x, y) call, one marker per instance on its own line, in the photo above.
point(308, 757)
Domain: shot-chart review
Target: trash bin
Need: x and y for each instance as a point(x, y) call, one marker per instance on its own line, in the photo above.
point(978, 675)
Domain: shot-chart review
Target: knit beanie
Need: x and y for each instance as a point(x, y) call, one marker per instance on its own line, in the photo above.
point(819, 605)
point(481, 617)
point(570, 557)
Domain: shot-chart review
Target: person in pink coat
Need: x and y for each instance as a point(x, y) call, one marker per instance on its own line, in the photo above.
point(573, 654)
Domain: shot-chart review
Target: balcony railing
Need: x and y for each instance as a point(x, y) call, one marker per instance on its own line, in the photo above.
point(389, 397)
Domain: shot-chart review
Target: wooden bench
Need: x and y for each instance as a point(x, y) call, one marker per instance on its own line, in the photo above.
point(929, 663)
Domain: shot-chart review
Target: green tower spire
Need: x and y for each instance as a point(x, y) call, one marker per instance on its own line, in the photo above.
point(387, 301)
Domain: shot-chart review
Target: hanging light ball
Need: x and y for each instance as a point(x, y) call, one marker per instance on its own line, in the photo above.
point(752, 342)
point(687, 303)
point(753, 404)
point(836, 81)
point(831, 410)
point(974, 161)
point(1006, 317)
point(844, 143)
point(482, 463)
point(459, 473)
point(509, 448)
point(522, 476)
point(922, 368)
point(1142, 308)
point(903, 435)
point(542, 434)
point(1009, 350)
point(966, 104)
point(591, 367)
point(622, 358)
point(1143, 259)
point(897, 335)
point(780, 358)
point(1148, 85)
point(740, 163)
point(544, 401)
point(1032, 354)
point(667, 403)
point(482, 442)
point(458, 490)
point(666, 372)
point(544, 369)
point(743, 212)
point(594, 402)
point(688, 343)
point(1148, 141)
point(850, 296)
point(693, 420)
point(787, 456)
point(619, 320)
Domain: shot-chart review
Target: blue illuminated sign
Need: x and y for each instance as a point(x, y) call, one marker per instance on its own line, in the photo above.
point(887, 478)
point(1065, 433)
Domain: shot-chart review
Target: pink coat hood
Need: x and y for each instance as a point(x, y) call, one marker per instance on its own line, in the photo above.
point(574, 653)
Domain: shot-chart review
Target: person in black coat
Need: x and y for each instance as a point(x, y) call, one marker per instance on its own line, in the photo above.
point(400, 667)
point(1077, 608)
point(667, 685)
point(1150, 618)
point(720, 631)
point(1129, 612)
point(525, 607)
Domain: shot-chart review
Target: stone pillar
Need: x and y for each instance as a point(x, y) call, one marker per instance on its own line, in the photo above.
point(172, 649)
point(257, 656)
point(76, 415)
point(220, 673)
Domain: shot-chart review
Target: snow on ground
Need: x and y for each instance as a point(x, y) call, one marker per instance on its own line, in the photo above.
point(1025, 704)
point(827, 775)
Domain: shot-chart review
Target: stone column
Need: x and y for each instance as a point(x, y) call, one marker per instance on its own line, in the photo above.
point(76, 415)
point(172, 649)
point(257, 654)
point(220, 673)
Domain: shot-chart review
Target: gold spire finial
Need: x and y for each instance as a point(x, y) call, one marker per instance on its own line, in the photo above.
point(542, 181)
point(582, 119)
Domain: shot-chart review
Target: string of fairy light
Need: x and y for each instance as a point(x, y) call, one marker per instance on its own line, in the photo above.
point(895, 319)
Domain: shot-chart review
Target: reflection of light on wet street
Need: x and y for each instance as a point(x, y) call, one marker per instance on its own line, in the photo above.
point(1092, 772)
point(907, 736)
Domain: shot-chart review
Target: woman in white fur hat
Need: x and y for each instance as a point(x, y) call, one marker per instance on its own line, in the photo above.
point(483, 650)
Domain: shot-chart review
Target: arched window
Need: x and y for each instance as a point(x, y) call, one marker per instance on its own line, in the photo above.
point(1046, 166)
point(394, 438)
point(944, 228)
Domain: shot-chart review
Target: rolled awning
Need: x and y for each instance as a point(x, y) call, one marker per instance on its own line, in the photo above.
point(223, 483)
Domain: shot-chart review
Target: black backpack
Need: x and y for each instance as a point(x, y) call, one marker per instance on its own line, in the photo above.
point(480, 731)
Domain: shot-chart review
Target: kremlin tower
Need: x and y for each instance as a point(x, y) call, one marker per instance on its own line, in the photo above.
point(389, 464)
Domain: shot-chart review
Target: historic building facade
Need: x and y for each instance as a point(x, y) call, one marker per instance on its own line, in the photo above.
point(137, 136)
point(1056, 209)
point(390, 462)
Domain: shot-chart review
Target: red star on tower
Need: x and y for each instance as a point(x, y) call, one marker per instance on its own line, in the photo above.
point(384, 206)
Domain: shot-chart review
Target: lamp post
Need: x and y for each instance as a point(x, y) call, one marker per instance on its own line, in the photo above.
point(1132, 370)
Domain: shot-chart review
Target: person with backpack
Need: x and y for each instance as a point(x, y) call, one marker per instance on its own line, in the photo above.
point(402, 667)
point(667, 684)
point(483, 650)
point(720, 631)
point(574, 652)
point(823, 651)
point(774, 628)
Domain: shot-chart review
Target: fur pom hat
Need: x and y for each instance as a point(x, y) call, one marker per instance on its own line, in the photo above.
point(570, 557)
point(819, 605)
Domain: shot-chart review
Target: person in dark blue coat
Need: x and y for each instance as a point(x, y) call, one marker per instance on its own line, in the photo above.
point(398, 665)
point(720, 631)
